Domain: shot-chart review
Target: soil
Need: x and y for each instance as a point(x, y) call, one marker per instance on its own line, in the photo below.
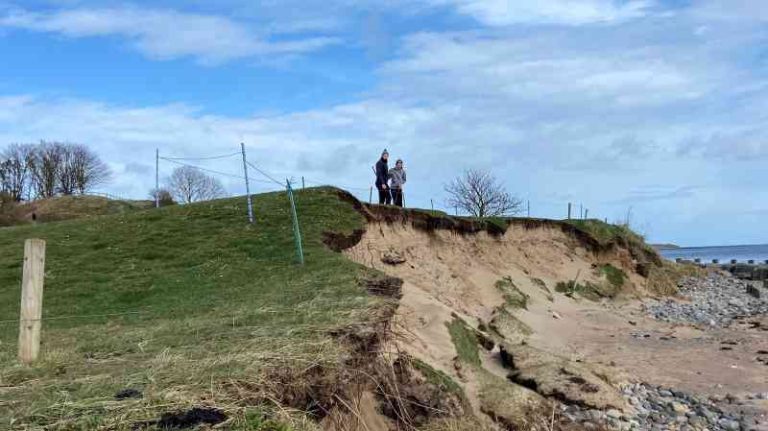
point(604, 344)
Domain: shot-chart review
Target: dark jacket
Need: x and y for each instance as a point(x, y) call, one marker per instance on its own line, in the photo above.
point(382, 173)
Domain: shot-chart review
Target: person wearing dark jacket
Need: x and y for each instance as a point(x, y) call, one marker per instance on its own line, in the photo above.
point(382, 179)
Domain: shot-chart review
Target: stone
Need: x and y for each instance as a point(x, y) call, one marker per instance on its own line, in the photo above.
point(729, 425)
point(679, 407)
point(595, 415)
point(392, 257)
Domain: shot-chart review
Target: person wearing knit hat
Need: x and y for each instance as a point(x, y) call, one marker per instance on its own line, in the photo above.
point(382, 178)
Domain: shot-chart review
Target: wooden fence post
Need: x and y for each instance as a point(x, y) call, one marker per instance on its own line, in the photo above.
point(31, 300)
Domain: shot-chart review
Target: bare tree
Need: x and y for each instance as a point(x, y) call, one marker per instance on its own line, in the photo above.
point(61, 168)
point(81, 170)
point(45, 165)
point(480, 194)
point(190, 184)
point(15, 170)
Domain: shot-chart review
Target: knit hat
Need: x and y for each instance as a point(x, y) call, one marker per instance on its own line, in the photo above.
point(385, 152)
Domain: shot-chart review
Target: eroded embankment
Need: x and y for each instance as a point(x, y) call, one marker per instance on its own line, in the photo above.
point(530, 316)
point(513, 287)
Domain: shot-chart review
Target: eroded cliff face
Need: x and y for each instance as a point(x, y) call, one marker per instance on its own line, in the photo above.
point(530, 318)
point(508, 288)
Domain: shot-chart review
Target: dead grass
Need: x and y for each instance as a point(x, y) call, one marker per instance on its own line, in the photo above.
point(662, 280)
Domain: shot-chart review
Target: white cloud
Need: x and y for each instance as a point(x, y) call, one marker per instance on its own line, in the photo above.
point(560, 67)
point(570, 12)
point(165, 34)
point(607, 115)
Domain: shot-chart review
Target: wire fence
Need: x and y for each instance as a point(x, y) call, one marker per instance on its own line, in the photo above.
point(369, 193)
point(263, 176)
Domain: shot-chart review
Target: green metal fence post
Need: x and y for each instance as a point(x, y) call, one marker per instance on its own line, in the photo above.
point(296, 231)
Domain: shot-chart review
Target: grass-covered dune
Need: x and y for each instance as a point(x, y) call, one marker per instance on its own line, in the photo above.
point(190, 305)
point(66, 208)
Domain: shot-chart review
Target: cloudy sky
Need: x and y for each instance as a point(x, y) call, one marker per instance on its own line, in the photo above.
point(658, 107)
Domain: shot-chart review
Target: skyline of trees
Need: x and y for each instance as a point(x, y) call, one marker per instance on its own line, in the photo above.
point(47, 169)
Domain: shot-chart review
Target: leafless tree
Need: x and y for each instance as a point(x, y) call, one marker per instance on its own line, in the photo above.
point(61, 168)
point(45, 167)
point(479, 193)
point(190, 184)
point(81, 170)
point(15, 162)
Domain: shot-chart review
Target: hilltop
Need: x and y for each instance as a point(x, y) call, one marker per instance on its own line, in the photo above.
point(66, 208)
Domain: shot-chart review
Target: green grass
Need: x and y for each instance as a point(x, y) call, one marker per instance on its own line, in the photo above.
point(438, 378)
point(588, 290)
point(512, 295)
point(606, 232)
point(214, 303)
point(614, 275)
point(67, 208)
point(465, 341)
point(611, 287)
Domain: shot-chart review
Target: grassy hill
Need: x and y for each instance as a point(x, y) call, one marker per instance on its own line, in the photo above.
point(189, 305)
point(67, 208)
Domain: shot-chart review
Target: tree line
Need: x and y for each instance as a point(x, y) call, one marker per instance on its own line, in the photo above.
point(47, 169)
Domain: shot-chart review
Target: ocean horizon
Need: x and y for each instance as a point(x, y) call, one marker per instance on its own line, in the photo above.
point(725, 253)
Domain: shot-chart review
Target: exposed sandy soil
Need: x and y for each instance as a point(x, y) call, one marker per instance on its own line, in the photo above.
point(447, 273)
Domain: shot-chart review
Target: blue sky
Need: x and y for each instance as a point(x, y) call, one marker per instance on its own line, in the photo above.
point(658, 106)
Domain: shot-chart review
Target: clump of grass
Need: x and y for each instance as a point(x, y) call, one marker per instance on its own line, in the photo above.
point(606, 233)
point(438, 378)
point(465, 341)
point(662, 280)
point(614, 275)
point(499, 223)
point(257, 420)
point(587, 290)
point(513, 296)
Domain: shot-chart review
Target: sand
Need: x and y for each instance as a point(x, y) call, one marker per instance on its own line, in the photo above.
point(447, 274)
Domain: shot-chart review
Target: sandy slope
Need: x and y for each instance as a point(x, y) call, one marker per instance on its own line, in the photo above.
point(447, 273)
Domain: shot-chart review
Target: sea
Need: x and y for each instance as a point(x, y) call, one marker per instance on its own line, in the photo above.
point(742, 253)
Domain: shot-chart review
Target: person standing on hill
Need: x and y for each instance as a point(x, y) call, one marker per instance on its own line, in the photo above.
point(382, 179)
point(396, 182)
